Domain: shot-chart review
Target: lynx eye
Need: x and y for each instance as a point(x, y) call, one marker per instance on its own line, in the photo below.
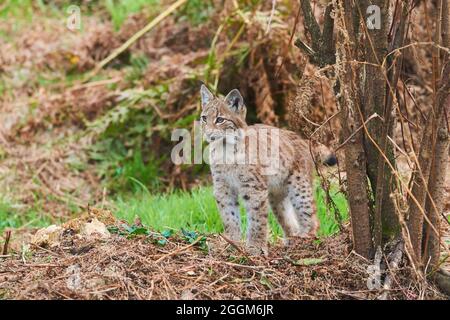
point(220, 120)
point(203, 118)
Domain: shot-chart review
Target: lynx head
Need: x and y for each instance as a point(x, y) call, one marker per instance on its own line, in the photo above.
point(222, 118)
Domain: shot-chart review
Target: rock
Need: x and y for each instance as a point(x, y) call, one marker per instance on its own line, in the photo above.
point(90, 226)
point(95, 229)
point(49, 236)
point(187, 294)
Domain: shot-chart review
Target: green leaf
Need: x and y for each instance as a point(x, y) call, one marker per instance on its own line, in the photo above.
point(191, 236)
point(162, 242)
point(113, 229)
point(167, 233)
point(265, 281)
point(138, 230)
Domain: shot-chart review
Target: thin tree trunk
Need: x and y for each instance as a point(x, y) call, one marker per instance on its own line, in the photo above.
point(415, 222)
point(322, 52)
point(355, 168)
point(351, 120)
point(384, 205)
point(436, 187)
point(426, 153)
point(385, 222)
point(439, 166)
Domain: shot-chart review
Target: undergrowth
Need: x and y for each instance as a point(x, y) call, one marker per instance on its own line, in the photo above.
point(131, 142)
point(197, 210)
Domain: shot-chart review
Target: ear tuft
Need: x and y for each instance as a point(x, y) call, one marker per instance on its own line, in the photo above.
point(206, 95)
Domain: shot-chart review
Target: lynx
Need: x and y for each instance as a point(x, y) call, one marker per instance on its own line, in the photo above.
point(283, 181)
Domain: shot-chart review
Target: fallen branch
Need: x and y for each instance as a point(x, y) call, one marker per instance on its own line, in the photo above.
point(393, 261)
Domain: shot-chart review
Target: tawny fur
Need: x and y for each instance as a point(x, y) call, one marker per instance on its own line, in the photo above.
point(287, 188)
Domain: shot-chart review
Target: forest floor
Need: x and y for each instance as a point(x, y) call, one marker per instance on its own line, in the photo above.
point(137, 264)
point(98, 256)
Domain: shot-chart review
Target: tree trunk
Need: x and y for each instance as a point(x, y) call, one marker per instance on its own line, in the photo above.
point(428, 150)
point(436, 187)
point(352, 122)
point(385, 222)
point(355, 167)
point(323, 52)
point(435, 203)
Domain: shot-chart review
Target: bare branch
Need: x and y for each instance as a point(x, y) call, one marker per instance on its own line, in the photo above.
point(311, 25)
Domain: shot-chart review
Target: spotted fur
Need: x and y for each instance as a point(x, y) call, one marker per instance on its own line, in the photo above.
point(288, 189)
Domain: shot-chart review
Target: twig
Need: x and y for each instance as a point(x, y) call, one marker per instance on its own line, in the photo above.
point(45, 249)
point(179, 250)
point(354, 294)
point(269, 23)
point(135, 37)
point(106, 290)
point(286, 50)
point(44, 265)
point(6, 244)
point(95, 84)
point(232, 264)
point(237, 247)
point(375, 115)
point(323, 123)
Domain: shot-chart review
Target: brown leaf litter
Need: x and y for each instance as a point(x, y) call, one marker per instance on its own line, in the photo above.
point(82, 266)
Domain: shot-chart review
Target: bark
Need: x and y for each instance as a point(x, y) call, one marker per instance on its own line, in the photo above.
point(415, 222)
point(322, 50)
point(436, 138)
point(427, 153)
point(385, 222)
point(355, 156)
point(436, 187)
point(311, 25)
point(384, 206)
point(355, 167)
point(435, 203)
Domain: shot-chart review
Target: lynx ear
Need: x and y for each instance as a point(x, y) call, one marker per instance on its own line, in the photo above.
point(235, 101)
point(206, 95)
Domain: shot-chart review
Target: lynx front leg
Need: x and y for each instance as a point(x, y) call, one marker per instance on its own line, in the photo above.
point(256, 203)
point(227, 201)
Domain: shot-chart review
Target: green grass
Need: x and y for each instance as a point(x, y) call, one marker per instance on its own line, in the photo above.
point(327, 217)
point(119, 10)
point(11, 216)
point(197, 210)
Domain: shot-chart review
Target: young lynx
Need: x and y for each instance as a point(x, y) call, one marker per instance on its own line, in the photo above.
point(263, 165)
